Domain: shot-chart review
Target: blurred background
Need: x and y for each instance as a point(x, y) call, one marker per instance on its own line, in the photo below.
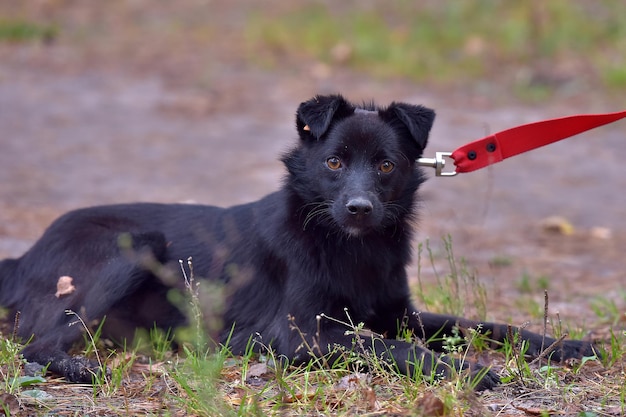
point(532, 49)
point(137, 100)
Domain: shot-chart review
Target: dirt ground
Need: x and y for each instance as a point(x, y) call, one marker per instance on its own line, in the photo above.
point(83, 124)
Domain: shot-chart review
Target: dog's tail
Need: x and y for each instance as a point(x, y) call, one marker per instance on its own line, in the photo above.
point(8, 268)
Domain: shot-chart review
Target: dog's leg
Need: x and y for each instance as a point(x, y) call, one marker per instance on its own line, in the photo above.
point(411, 359)
point(430, 327)
point(99, 287)
point(65, 326)
point(50, 351)
point(406, 358)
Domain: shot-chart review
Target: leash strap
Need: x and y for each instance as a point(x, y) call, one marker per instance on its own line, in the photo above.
point(498, 146)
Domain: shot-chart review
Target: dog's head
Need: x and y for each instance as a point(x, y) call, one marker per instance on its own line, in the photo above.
point(354, 168)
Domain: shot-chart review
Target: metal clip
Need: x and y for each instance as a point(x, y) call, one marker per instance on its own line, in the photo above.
point(438, 162)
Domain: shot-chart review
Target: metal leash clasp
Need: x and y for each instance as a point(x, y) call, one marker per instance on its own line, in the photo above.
point(438, 162)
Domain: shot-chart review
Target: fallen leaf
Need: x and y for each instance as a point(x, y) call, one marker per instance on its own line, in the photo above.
point(9, 403)
point(64, 286)
point(37, 394)
point(431, 405)
point(341, 52)
point(557, 224)
point(369, 397)
point(257, 370)
point(293, 398)
point(27, 380)
point(603, 233)
point(236, 396)
point(351, 382)
point(535, 411)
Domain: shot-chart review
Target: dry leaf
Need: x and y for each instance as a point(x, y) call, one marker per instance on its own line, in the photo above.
point(9, 403)
point(369, 397)
point(352, 382)
point(557, 224)
point(299, 396)
point(64, 286)
point(535, 411)
point(431, 405)
point(603, 233)
point(257, 370)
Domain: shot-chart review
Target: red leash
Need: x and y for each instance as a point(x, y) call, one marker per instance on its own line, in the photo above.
point(494, 148)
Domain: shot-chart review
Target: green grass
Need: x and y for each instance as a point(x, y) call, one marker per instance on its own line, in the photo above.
point(23, 31)
point(207, 380)
point(530, 44)
point(531, 50)
point(10, 365)
point(607, 309)
point(457, 290)
point(529, 284)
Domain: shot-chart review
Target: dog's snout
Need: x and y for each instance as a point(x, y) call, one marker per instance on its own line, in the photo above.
point(359, 206)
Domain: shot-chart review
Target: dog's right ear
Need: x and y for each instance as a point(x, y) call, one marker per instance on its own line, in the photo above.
point(314, 117)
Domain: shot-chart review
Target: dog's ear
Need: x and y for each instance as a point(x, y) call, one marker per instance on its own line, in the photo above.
point(315, 116)
point(418, 120)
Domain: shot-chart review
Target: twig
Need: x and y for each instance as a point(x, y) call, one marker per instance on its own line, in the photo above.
point(93, 343)
point(515, 351)
point(549, 349)
point(545, 319)
point(16, 325)
point(421, 323)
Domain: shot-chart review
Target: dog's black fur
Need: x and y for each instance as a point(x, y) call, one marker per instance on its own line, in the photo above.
point(334, 240)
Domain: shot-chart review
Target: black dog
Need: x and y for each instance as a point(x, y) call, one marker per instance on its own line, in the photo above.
point(335, 239)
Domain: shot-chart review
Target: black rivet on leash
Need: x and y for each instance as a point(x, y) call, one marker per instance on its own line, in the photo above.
point(471, 155)
point(491, 147)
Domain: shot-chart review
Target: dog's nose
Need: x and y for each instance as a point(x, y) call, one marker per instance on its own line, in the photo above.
point(359, 206)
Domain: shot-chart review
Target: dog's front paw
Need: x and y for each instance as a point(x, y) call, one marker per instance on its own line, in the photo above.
point(477, 376)
point(482, 379)
point(573, 349)
point(559, 352)
point(81, 370)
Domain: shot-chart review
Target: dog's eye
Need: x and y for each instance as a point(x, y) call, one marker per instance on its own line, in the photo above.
point(333, 163)
point(386, 167)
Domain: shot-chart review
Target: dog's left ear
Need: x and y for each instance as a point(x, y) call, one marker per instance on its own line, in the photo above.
point(315, 116)
point(418, 120)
